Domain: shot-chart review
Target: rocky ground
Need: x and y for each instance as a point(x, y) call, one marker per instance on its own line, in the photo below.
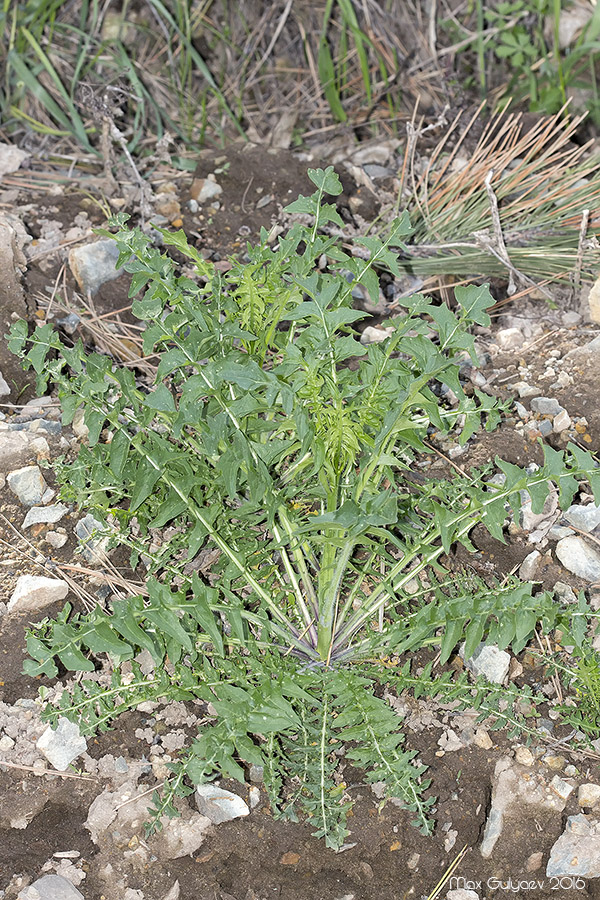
point(516, 819)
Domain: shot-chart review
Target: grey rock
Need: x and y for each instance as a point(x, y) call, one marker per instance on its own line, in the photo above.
point(219, 805)
point(45, 514)
point(545, 427)
point(488, 661)
point(4, 388)
point(557, 532)
point(530, 565)
point(579, 557)
point(93, 544)
point(577, 851)
point(51, 887)
point(209, 189)
point(564, 593)
point(27, 484)
point(585, 518)
point(94, 264)
point(257, 774)
point(36, 591)
point(62, 745)
point(173, 893)
point(462, 894)
point(531, 521)
point(517, 794)
point(55, 539)
point(546, 406)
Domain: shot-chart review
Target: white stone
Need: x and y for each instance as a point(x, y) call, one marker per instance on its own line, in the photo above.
point(588, 794)
point(482, 739)
point(529, 566)
point(579, 558)
point(36, 591)
point(488, 661)
point(4, 388)
point(27, 484)
point(373, 335)
point(561, 422)
point(11, 158)
point(51, 887)
point(80, 429)
point(219, 805)
point(509, 338)
point(62, 745)
point(462, 894)
point(180, 837)
point(524, 756)
point(56, 539)
point(561, 787)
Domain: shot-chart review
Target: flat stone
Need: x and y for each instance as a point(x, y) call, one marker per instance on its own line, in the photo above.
point(490, 662)
point(588, 794)
point(509, 338)
point(585, 518)
point(530, 565)
point(561, 422)
point(524, 390)
point(561, 787)
point(34, 592)
point(56, 539)
point(219, 805)
point(51, 887)
point(546, 406)
point(577, 851)
point(27, 484)
point(14, 450)
point(62, 745)
point(94, 265)
point(579, 557)
point(39, 515)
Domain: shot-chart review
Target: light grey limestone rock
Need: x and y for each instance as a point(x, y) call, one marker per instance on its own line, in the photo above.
point(509, 338)
point(529, 566)
point(579, 557)
point(488, 661)
point(93, 545)
point(564, 593)
point(517, 794)
point(219, 805)
point(27, 484)
point(585, 518)
point(62, 745)
point(51, 887)
point(180, 837)
point(546, 406)
point(588, 794)
point(94, 264)
point(45, 514)
point(36, 591)
point(577, 851)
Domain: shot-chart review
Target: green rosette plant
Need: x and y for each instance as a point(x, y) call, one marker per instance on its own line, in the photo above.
point(266, 482)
